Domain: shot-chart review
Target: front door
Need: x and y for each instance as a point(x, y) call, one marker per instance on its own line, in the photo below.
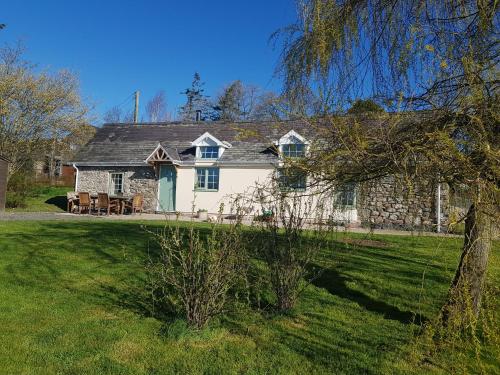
point(166, 195)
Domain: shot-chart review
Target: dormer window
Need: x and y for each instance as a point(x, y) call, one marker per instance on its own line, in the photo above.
point(209, 152)
point(294, 150)
point(292, 145)
point(208, 147)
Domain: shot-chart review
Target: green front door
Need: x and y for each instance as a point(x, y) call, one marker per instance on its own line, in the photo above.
point(166, 194)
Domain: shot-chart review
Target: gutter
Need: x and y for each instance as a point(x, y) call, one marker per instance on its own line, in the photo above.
point(110, 164)
point(182, 164)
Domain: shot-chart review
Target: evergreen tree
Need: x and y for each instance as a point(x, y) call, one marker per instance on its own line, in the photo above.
point(230, 102)
point(361, 106)
point(196, 101)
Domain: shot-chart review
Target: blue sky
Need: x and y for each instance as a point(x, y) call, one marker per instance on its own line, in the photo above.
point(117, 47)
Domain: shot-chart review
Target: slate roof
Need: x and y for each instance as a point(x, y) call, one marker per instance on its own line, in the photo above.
point(131, 144)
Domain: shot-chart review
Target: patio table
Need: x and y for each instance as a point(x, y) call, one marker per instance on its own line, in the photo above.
point(120, 198)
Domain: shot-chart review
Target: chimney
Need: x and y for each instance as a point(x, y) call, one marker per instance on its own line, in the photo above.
point(198, 115)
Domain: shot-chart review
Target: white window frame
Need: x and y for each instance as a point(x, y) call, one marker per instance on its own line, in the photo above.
point(206, 176)
point(208, 140)
point(283, 176)
point(291, 138)
point(201, 150)
point(303, 152)
point(345, 193)
point(112, 183)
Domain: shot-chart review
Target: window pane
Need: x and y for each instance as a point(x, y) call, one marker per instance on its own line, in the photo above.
point(207, 178)
point(293, 150)
point(347, 195)
point(209, 152)
point(200, 178)
point(292, 180)
point(213, 179)
point(116, 183)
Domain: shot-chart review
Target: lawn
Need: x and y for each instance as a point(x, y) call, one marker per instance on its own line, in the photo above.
point(45, 199)
point(73, 300)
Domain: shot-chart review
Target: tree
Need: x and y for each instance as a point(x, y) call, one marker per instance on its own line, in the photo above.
point(438, 56)
point(196, 102)
point(115, 115)
point(156, 108)
point(361, 106)
point(37, 110)
point(268, 107)
point(240, 102)
point(237, 102)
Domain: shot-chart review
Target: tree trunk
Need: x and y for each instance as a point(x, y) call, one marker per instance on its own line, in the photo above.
point(464, 299)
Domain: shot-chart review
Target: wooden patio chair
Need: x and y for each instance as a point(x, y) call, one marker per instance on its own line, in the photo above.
point(136, 204)
point(104, 203)
point(72, 198)
point(84, 202)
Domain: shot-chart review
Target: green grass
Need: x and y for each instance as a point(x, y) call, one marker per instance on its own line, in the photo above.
point(45, 199)
point(73, 300)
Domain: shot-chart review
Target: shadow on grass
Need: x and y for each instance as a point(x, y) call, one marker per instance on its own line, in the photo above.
point(59, 201)
point(336, 284)
point(137, 300)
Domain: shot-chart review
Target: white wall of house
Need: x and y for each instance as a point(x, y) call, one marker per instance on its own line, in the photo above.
point(232, 180)
point(237, 180)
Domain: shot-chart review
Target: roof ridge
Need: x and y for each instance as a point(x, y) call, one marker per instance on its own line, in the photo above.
point(197, 123)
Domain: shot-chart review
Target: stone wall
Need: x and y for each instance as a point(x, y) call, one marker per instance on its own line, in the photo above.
point(135, 180)
point(390, 203)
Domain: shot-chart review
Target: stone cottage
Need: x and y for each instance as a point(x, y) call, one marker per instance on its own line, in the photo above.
point(181, 166)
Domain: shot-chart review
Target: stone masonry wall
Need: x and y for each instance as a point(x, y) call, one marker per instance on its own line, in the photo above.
point(135, 180)
point(389, 203)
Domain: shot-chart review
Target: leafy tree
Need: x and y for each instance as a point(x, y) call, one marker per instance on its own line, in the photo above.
point(196, 101)
point(38, 110)
point(361, 106)
point(439, 56)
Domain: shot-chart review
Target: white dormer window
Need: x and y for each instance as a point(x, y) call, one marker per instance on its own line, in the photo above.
point(209, 152)
point(292, 145)
point(294, 150)
point(208, 147)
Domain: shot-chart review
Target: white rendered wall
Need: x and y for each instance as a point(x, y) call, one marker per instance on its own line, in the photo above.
point(231, 181)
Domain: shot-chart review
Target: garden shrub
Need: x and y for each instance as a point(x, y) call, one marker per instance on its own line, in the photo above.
point(290, 240)
point(196, 269)
point(18, 190)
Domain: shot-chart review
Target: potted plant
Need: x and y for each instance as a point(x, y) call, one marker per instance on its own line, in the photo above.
point(203, 214)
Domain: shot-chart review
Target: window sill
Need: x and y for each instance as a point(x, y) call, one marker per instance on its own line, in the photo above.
point(206, 190)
